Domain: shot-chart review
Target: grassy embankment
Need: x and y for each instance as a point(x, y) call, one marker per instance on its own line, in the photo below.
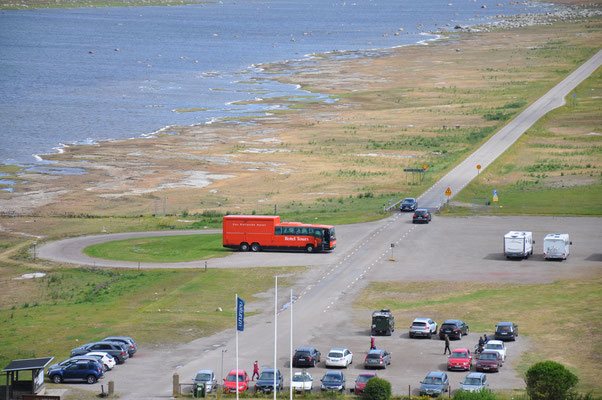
point(555, 168)
point(560, 319)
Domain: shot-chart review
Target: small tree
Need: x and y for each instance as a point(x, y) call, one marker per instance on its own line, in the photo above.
point(549, 380)
point(377, 389)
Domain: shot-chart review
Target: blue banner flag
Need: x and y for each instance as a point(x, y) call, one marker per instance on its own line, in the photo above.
point(240, 314)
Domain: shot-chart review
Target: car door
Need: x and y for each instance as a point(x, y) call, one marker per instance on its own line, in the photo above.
point(70, 372)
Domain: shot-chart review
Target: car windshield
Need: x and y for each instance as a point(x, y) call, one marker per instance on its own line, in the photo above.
point(494, 346)
point(301, 378)
point(408, 201)
point(335, 354)
point(432, 380)
point(488, 356)
point(232, 378)
point(267, 375)
point(472, 381)
point(331, 378)
point(458, 354)
point(202, 377)
point(364, 378)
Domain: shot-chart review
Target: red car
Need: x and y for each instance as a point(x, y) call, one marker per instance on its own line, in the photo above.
point(489, 361)
point(460, 359)
point(230, 381)
point(360, 382)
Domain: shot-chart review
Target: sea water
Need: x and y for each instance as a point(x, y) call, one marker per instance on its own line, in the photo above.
point(82, 75)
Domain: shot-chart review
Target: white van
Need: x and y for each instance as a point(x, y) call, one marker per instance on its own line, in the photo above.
point(518, 244)
point(556, 246)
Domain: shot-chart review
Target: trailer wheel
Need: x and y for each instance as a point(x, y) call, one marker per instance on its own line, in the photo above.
point(255, 247)
point(310, 248)
point(244, 246)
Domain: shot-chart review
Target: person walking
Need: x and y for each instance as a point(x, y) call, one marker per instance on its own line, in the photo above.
point(372, 345)
point(255, 371)
point(481, 344)
point(486, 339)
point(446, 345)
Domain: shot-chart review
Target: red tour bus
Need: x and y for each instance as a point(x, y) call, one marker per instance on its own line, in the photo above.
point(258, 232)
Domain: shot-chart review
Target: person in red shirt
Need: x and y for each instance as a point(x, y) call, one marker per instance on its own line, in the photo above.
point(255, 371)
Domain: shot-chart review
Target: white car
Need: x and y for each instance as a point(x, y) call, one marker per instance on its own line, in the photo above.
point(496, 345)
point(302, 382)
point(339, 358)
point(106, 359)
point(423, 327)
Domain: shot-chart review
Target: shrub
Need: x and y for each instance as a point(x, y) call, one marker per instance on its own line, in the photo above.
point(549, 380)
point(482, 395)
point(377, 389)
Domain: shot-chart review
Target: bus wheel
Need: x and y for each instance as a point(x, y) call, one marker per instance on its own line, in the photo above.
point(255, 247)
point(244, 247)
point(310, 248)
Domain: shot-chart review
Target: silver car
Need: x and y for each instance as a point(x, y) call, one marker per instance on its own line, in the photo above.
point(423, 327)
point(474, 382)
point(206, 377)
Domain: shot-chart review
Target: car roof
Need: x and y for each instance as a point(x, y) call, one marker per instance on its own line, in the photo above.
point(302, 373)
point(306, 348)
point(268, 370)
point(421, 209)
point(338, 373)
point(410, 198)
point(461, 349)
point(451, 321)
point(494, 342)
point(235, 371)
point(505, 323)
point(421, 319)
point(475, 375)
point(337, 349)
point(367, 374)
point(489, 352)
point(376, 351)
point(204, 371)
point(438, 374)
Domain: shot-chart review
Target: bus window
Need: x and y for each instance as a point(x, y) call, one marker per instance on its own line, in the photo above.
point(304, 231)
point(278, 230)
point(297, 231)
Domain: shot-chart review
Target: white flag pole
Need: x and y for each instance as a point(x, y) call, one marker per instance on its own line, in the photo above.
point(236, 328)
point(275, 330)
point(291, 350)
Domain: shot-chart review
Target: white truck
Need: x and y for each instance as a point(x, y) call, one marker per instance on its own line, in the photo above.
point(556, 246)
point(518, 244)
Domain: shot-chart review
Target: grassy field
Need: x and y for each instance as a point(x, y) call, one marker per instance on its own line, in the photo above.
point(27, 4)
point(561, 319)
point(555, 168)
point(166, 249)
point(70, 307)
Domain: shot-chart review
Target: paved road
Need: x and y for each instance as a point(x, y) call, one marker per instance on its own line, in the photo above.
point(466, 171)
point(447, 249)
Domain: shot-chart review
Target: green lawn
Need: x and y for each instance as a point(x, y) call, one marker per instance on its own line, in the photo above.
point(163, 249)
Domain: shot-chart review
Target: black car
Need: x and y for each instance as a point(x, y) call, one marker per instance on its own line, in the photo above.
point(421, 215)
point(454, 328)
point(408, 204)
point(306, 357)
point(128, 341)
point(333, 381)
point(117, 350)
point(506, 331)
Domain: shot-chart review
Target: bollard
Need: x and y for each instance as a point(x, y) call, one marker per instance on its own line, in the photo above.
point(176, 384)
point(111, 388)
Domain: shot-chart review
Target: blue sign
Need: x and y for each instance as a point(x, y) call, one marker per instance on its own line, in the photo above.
point(240, 314)
point(494, 193)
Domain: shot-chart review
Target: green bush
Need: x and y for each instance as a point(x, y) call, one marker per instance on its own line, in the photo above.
point(482, 395)
point(549, 380)
point(377, 389)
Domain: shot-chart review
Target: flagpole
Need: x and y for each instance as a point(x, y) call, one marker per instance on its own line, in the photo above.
point(291, 350)
point(236, 328)
point(275, 330)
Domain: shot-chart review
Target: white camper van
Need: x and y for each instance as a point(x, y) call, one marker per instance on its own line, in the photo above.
point(518, 244)
point(556, 245)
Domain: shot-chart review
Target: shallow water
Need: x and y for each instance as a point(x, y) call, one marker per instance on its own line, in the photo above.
point(76, 76)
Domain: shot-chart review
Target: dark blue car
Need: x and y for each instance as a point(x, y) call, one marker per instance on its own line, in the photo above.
point(333, 381)
point(265, 383)
point(84, 371)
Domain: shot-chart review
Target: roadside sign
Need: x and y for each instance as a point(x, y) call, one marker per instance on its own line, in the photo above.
point(495, 198)
point(425, 166)
point(478, 166)
point(448, 192)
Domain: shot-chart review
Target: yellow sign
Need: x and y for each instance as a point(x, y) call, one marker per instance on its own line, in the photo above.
point(425, 166)
point(495, 198)
point(478, 166)
point(448, 192)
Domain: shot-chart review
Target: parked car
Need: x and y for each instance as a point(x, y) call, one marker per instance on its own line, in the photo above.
point(489, 361)
point(85, 371)
point(117, 350)
point(230, 381)
point(460, 359)
point(474, 382)
point(207, 378)
point(377, 359)
point(454, 328)
point(306, 357)
point(408, 204)
point(434, 384)
point(496, 345)
point(333, 381)
point(362, 379)
point(506, 331)
point(383, 322)
point(265, 382)
point(128, 341)
point(338, 357)
point(74, 360)
point(105, 358)
point(421, 215)
point(423, 327)
point(302, 382)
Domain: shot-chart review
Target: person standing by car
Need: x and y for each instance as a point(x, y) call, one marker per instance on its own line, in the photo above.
point(481, 344)
point(372, 345)
point(255, 371)
point(485, 338)
point(446, 345)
